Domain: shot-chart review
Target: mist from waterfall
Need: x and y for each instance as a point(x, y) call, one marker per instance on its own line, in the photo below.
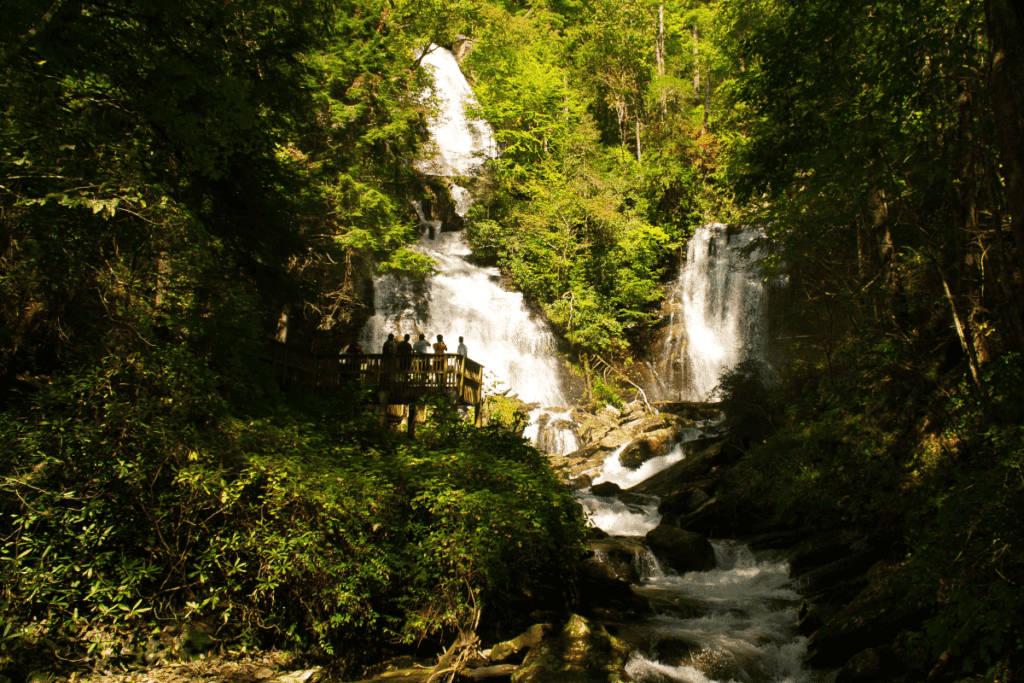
point(719, 313)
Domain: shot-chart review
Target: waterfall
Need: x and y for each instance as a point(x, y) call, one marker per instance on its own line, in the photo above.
point(462, 145)
point(466, 300)
point(718, 313)
point(462, 299)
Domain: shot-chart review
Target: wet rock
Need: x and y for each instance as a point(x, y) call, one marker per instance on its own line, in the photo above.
point(605, 488)
point(646, 446)
point(609, 413)
point(580, 482)
point(584, 652)
point(610, 599)
point(615, 439)
point(684, 502)
point(681, 550)
point(615, 558)
point(679, 476)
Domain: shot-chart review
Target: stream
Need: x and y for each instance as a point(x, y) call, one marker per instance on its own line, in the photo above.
point(734, 623)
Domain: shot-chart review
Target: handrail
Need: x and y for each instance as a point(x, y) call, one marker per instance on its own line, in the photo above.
point(405, 378)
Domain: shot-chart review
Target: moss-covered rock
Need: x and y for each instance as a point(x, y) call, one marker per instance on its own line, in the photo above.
point(583, 652)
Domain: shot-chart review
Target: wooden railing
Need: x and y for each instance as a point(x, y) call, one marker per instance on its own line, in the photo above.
point(406, 379)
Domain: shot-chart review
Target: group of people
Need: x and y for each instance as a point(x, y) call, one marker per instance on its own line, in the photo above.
point(405, 348)
point(422, 346)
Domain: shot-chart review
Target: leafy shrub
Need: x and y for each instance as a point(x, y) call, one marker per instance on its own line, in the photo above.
point(749, 404)
point(291, 529)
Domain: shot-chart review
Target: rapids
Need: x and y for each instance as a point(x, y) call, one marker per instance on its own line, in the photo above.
point(734, 623)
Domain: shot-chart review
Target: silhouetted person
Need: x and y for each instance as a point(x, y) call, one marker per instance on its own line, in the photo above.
point(389, 346)
point(403, 351)
point(421, 345)
point(353, 348)
point(462, 350)
point(440, 346)
point(404, 348)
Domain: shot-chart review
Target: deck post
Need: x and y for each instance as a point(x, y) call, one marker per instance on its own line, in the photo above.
point(411, 426)
point(477, 414)
point(382, 395)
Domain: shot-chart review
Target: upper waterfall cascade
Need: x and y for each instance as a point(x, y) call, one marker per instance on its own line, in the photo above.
point(462, 145)
point(463, 299)
point(719, 313)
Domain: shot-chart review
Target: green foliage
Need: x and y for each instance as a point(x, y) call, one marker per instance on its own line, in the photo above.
point(292, 529)
point(746, 396)
point(583, 227)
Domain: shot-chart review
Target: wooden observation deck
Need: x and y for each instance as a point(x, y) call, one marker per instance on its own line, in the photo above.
point(397, 380)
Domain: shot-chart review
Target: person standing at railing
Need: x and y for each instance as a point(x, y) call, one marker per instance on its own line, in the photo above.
point(421, 365)
point(421, 345)
point(440, 348)
point(462, 350)
point(403, 351)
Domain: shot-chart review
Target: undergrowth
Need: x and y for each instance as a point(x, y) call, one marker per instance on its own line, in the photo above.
point(294, 527)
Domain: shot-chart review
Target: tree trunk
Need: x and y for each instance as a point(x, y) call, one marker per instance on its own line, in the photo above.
point(636, 121)
point(282, 326)
point(659, 56)
point(696, 64)
point(965, 343)
point(707, 102)
point(1005, 25)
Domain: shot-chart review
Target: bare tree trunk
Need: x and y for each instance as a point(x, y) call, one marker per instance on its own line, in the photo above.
point(965, 343)
point(659, 57)
point(282, 325)
point(163, 278)
point(696, 64)
point(707, 102)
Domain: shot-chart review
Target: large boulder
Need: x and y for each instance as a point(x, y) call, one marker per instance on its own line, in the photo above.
point(615, 558)
point(608, 599)
point(648, 445)
point(680, 476)
point(680, 550)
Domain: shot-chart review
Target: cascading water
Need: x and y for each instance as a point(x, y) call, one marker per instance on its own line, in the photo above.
point(462, 299)
point(718, 313)
point(462, 145)
point(732, 623)
point(466, 300)
point(735, 622)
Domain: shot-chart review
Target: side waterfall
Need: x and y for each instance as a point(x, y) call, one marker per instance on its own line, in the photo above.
point(718, 313)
